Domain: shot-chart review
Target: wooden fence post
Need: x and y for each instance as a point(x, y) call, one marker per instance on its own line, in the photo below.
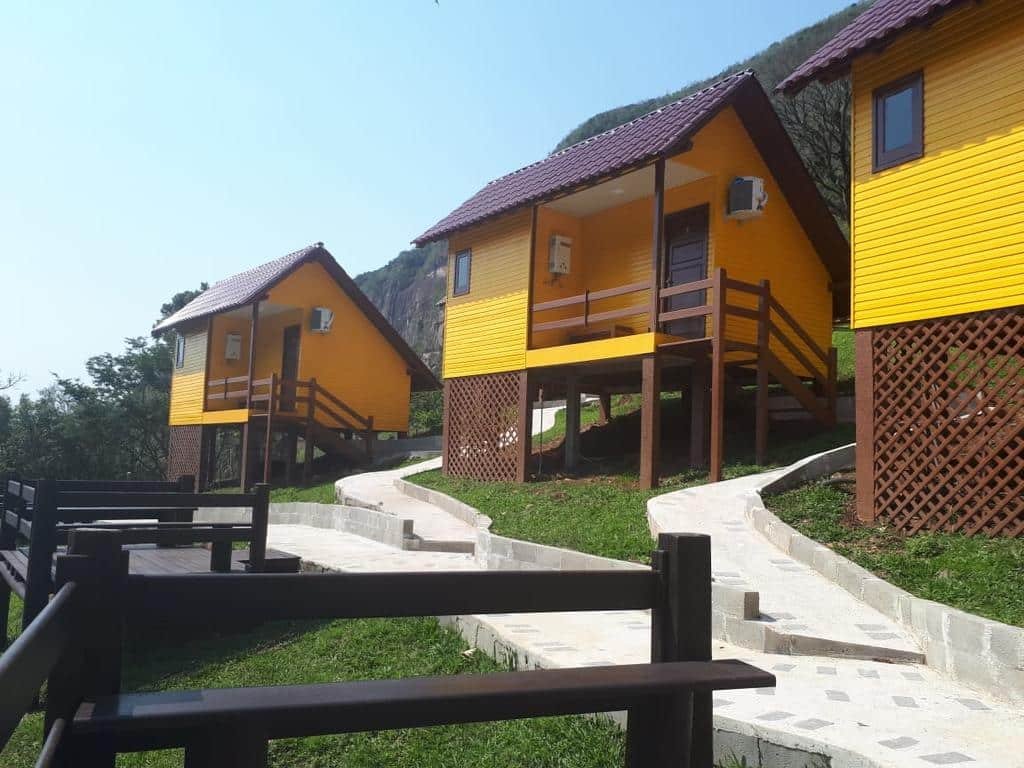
point(42, 545)
point(681, 631)
point(307, 461)
point(260, 523)
point(99, 568)
point(268, 443)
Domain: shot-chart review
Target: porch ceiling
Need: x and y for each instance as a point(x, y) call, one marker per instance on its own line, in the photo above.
point(624, 189)
point(266, 310)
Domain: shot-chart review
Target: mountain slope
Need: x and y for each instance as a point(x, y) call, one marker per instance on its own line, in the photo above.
point(408, 288)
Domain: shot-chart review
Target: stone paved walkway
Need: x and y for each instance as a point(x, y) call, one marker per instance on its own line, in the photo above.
point(859, 713)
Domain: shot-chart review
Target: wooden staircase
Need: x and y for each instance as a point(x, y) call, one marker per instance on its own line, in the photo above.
point(813, 387)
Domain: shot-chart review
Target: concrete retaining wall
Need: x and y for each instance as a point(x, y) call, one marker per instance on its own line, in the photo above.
point(978, 652)
point(452, 506)
point(368, 523)
point(384, 450)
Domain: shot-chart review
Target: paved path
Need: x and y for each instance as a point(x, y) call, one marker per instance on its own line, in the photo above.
point(377, 489)
point(860, 713)
point(798, 599)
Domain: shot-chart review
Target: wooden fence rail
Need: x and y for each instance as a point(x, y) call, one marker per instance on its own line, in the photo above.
point(78, 640)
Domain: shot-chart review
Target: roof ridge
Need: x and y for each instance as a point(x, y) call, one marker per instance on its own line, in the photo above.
point(639, 118)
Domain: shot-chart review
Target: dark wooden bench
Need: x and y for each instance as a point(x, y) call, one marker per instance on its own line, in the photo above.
point(37, 518)
point(76, 643)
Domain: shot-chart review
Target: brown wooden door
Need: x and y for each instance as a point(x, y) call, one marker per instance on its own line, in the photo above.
point(686, 260)
point(289, 366)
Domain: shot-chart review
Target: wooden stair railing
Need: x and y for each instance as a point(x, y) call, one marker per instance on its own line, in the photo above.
point(773, 321)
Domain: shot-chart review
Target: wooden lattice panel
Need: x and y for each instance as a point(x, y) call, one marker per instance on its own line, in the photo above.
point(184, 451)
point(949, 424)
point(482, 421)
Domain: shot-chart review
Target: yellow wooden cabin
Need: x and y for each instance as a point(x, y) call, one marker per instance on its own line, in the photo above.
point(289, 350)
point(938, 259)
point(678, 251)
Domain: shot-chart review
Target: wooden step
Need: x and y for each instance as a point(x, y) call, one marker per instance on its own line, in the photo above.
point(795, 386)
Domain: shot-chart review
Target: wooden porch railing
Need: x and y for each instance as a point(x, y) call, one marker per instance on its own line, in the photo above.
point(588, 317)
point(323, 409)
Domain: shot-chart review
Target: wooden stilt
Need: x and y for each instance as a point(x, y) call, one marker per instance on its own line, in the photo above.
point(244, 470)
point(761, 417)
point(604, 402)
point(572, 424)
point(699, 414)
point(865, 402)
point(524, 422)
point(292, 449)
point(650, 422)
point(718, 376)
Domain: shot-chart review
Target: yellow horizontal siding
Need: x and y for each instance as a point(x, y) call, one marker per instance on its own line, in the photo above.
point(944, 234)
point(603, 349)
point(189, 382)
point(485, 329)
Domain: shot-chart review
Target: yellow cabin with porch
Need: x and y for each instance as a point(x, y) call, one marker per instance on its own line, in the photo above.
point(667, 251)
point(938, 259)
point(291, 350)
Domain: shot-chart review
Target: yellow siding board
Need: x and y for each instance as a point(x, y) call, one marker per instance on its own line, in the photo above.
point(188, 382)
point(603, 349)
point(485, 330)
point(232, 416)
point(944, 234)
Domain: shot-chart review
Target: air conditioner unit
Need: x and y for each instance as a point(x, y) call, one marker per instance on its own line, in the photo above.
point(559, 254)
point(747, 197)
point(321, 320)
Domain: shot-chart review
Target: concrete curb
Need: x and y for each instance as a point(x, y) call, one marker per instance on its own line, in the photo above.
point(978, 652)
point(368, 523)
point(443, 501)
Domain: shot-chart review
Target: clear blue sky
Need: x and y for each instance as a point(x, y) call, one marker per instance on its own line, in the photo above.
point(150, 146)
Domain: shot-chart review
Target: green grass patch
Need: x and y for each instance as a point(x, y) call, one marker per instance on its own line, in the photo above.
point(314, 652)
point(843, 341)
point(975, 574)
point(604, 512)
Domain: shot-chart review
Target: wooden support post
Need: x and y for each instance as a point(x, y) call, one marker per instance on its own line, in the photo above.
point(244, 471)
point(524, 422)
point(292, 441)
point(268, 442)
point(572, 423)
point(307, 460)
point(865, 400)
point(761, 416)
point(681, 631)
point(446, 421)
point(92, 667)
point(650, 422)
point(657, 241)
point(368, 437)
point(260, 524)
point(604, 402)
point(699, 414)
point(220, 557)
point(254, 324)
point(717, 375)
point(42, 544)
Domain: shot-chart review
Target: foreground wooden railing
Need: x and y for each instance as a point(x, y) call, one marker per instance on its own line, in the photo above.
point(47, 512)
point(76, 643)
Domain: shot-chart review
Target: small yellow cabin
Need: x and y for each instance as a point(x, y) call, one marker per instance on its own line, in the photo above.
point(290, 349)
point(938, 259)
point(683, 248)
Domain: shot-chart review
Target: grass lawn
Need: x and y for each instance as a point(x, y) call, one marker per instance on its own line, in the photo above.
point(603, 512)
point(976, 574)
point(312, 652)
point(842, 340)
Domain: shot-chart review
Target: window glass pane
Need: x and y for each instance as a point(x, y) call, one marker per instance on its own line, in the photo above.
point(899, 120)
point(462, 273)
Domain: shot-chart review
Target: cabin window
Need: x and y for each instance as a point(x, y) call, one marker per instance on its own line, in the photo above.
point(460, 283)
point(179, 351)
point(899, 123)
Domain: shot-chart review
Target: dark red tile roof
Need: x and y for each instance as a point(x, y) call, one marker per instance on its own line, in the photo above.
point(877, 26)
point(238, 290)
point(632, 144)
point(246, 287)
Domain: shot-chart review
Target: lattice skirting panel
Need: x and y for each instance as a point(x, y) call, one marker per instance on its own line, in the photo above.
point(184, 450)
point(482, 426)
point(948, 423)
